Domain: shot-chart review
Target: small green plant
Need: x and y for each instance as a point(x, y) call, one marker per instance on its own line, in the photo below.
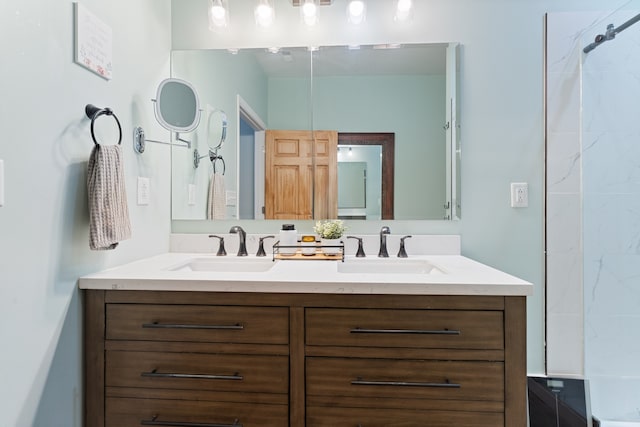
point(331, 229)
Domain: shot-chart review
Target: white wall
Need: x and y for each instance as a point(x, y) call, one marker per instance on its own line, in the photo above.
point(43, 226)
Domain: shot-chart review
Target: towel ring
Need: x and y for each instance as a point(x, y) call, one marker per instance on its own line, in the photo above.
point(214, 158)
point(94, 112)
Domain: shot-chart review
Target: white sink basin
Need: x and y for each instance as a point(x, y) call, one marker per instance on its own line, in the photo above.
point(388, 266)
point(226, 265)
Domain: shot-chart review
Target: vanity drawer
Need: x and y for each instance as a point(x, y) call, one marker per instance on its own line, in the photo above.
point(405, 379)
point(124, 412)
point(197, 323)
point(373, 417)
point(193, 371)
point(458, 329)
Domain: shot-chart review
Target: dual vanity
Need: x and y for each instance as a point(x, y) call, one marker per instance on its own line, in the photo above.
point(194, 340)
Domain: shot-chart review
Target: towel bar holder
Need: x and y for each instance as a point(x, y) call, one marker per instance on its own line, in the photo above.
point(93, 112)
point(213, 156)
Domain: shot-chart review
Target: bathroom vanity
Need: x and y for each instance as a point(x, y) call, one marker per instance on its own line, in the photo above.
point(193, 340)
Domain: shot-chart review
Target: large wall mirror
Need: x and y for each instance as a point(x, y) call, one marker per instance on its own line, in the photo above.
point(386, 115)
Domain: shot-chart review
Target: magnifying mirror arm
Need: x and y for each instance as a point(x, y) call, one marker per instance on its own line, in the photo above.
point(183, 140)
point(140, 140)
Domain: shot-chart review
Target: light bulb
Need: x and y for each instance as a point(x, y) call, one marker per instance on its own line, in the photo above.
point(404, 5)
point(264, 14)
point(403, 10)
point(356, 11)
point(217, 15)
point(309, 12)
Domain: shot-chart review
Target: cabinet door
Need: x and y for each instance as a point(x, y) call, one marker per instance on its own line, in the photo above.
point(372, 417)
point(198, 371)
point(405, 379)
point(455, 329)
point(198, 323)
point(126, 412)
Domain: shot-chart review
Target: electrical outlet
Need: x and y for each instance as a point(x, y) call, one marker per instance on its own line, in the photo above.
point(144, 192)
point(519, 195)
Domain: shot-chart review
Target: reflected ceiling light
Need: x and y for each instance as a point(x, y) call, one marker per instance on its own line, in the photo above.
point(309, 12)
point(403, 10)
point(351, 151)
point(233, 51)
point(264, 13)
point(356, 10)
point(273, 49)
point(218, 14)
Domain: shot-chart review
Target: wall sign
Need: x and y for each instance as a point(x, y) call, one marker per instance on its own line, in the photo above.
point(93, 42)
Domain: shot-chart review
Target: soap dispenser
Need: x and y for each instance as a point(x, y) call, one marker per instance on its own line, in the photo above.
point(288, 239)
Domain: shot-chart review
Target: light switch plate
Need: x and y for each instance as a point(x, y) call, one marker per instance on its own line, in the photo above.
point(1, 182)
point(143, 191)
point(231, 198)
point(191, 195)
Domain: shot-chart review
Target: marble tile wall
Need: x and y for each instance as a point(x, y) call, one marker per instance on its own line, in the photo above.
point(593, 211)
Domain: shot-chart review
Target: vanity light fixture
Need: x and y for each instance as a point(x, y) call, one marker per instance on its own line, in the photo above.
point(403, 10)
point(218, 14)
point(309, 12)
point(264, 13)
point(356, 10)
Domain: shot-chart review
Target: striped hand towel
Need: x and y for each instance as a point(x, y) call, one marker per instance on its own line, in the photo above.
point(108, 211)
point(216, 203)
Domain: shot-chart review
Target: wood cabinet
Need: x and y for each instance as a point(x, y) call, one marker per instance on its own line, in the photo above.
point(261, 359)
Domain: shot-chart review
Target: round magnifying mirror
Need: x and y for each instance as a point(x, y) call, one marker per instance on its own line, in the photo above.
point(216, 129)
point(176, 105)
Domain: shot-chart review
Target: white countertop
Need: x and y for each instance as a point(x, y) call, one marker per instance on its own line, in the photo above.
point(457, 275)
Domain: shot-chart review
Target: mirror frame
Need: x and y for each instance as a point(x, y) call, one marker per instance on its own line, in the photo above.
point(158, 111)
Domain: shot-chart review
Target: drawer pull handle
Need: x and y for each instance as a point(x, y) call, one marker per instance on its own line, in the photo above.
point(405, 331)
point(156, 325)
point(445, 384)
point(155, 374)
point(154, 422)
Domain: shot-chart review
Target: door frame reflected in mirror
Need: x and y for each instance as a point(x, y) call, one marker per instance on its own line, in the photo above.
point(387, 142)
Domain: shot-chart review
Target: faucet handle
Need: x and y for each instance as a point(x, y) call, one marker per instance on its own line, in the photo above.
point(221, 250)
point(261, 251)
point(402, 253)
point(360, 253)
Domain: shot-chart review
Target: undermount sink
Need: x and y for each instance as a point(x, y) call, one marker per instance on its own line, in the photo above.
point(388, 266)
point(225, 265)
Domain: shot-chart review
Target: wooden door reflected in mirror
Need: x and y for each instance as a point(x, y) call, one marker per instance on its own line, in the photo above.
point(301, 174)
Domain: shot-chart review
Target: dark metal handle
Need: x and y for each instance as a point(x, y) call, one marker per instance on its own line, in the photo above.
point(445, 384)
point(155, 374)
point(156, 325)
point(404, 331)
point(154, 422)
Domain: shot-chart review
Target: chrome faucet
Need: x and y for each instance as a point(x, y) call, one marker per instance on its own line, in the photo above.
point(384, 231)
point(242, 249)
